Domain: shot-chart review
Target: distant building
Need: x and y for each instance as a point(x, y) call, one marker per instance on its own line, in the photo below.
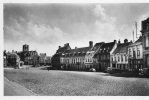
point(145, 34)
point(119, 58)
point(91, 60)
point(42, 58)
point(25, 48)
point(55, 60)
point(74, 59)
point(104, 54)
point(28, 57)
point(13, 60)
point(135, 53)
point(31, 58)
point(48, 60)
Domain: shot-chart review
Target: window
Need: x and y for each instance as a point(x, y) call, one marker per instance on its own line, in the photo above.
point(147, 58)
point(104, 57)
point(130, 52)
point(122, 58)
point(147, 41)
point(111, 58)
point(138, 52)
point(134, 53)
point(126, 58)
point(86, 59)
point(108, 56)
point(118, 58)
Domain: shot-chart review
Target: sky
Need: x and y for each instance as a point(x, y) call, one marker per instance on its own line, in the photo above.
point(44, 27)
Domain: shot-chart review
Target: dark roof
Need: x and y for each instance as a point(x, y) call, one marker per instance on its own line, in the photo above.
point(96, 46)
point(62, 49)
point(139, 40)
point(121, 48)
point(146, 20)
point(76, 52)
point(12, 54)
point(107, 47)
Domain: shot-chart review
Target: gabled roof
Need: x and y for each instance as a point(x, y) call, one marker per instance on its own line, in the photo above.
point(121, 48)
point(62, 49)
point(76, 52)
point(139, 40)
point(12, 54)
point(96, 46)
point(107, 47)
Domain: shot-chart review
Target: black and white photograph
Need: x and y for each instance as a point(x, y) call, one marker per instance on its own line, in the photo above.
point(75, 49)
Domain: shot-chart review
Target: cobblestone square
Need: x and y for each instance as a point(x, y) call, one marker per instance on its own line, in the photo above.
point(71, 83)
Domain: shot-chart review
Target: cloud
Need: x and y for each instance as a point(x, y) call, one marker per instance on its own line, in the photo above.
point(44, 33)
point(99, 12)
point(50, 25)
point(105, 28)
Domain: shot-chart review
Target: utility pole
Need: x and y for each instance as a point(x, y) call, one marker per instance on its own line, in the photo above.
point(133, 35)
point(136, 26)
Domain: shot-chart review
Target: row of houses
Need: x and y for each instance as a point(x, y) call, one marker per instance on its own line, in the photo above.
point(128, 55)
point(25, 57)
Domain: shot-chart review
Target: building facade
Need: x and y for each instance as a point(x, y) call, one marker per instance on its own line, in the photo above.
point(74, 59)
point(104, 54)
point(91, 60)
point(31, 58)
point(28, 57)
point(145, 34)
point(55, 60)
point(48, 60)
point(13, 60)
point(135, 54)
point(119, 58)
point(42, 58)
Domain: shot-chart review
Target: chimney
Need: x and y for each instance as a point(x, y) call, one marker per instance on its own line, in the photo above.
point(59, 47)
point(66, 44)
point(119, 41)
point(125, 41)
point(12, 51)
point(90, 44)
point(114, 41)
point(75, 47)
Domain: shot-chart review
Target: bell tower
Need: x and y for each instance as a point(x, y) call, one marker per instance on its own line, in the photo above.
point(25, 47)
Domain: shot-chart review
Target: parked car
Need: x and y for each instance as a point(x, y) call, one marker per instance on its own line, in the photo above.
point(144, 72)
point(113, 70)
point(92, 70)
point(108, 70)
